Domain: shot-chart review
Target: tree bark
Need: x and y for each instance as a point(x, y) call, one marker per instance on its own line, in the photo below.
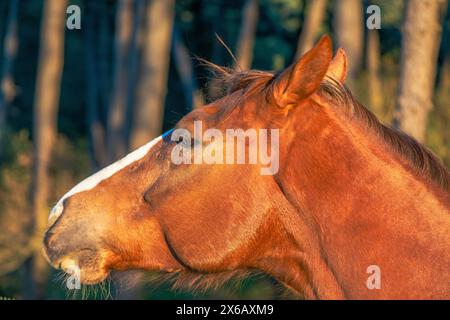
point(373, 68)
point(7, 87)
point(104, 62)
point(183, 62)
point(218, 26)
point(50, 67)
point(134, 58)
point(247, 35)
point(151, 90)
point(94, 123)
point(314, 18)
point(349, 30)
point(420, 46)
point(117, 122)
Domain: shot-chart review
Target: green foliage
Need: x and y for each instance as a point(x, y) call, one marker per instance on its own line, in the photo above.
point(15, 174)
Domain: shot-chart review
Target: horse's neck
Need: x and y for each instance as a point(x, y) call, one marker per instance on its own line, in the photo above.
point(368, 210)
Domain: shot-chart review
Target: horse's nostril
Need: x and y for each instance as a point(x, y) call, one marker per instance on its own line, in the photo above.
point(47, 238)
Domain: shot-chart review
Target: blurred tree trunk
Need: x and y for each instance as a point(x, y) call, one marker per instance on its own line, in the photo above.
point(445, 68)
point(349, 30)
point(314, 17)
point(7, 87)
point(151, 90)
point(50, 67)
point(420, 46)
point(218, 53)
point(373, 67)
point(183, 62)
point(104, 61)
point(117, 122)
point(247, 35)
point(94, 124)
point(134, 58)
point(219, 29)
point(445, 76)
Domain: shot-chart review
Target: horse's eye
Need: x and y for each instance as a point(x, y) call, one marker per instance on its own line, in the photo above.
point(181, 140)
point(188, 143)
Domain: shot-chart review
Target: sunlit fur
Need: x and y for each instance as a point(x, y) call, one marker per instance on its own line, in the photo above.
point(228, 81)
point(350, 193)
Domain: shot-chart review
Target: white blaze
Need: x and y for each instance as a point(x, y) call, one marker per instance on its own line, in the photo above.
point(103, 174)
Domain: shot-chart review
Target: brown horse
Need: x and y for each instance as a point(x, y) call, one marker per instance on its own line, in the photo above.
point(353, 200)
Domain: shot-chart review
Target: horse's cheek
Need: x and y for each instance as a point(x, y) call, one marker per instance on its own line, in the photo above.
point(202, 243)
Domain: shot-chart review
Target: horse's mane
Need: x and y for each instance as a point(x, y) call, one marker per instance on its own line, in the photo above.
point(418, 156)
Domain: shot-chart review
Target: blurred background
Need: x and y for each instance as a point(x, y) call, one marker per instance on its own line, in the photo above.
point(77, 94)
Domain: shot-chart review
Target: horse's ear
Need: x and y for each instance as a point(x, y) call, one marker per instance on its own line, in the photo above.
point(338, 66)
point(303, 78)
